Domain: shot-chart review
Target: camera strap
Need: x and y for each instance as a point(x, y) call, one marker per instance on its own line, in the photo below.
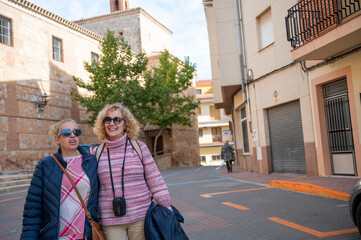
point(110, 168)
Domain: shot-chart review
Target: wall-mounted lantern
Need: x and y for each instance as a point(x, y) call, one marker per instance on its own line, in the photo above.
point(42, 101)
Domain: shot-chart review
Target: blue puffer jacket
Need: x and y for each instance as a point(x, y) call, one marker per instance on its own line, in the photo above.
point(42, 206)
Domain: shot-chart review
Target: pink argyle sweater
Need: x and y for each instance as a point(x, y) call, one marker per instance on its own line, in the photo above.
point(137, 194)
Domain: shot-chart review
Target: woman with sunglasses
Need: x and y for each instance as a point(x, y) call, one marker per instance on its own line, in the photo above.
point(52, 209)
point(125, 175)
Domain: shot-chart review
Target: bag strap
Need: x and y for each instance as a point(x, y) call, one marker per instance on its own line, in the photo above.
point(136, 147)
point(97, 152)
point(87, 213)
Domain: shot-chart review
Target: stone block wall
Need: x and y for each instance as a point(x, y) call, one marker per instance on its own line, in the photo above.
point(28, 70)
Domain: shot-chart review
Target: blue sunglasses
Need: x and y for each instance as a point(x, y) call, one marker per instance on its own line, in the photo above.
point(67, 132)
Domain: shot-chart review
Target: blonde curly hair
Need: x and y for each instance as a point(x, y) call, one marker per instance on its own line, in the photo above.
point(131, 124)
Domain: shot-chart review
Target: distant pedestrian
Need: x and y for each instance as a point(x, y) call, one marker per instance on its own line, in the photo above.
point(52, 209)
point(227, 155)
point(128, 180)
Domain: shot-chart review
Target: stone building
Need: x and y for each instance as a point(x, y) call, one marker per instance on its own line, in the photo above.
point(292, 87)
point(36, 73)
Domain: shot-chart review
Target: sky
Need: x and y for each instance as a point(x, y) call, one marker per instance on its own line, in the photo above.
point(186, 19)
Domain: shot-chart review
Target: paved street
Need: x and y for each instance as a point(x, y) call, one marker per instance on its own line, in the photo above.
point(217, 207)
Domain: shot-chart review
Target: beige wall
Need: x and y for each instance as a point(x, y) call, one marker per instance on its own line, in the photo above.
point(290, 83)
point(225, 61)
point(27, 70)
point(273, 69)
point(140, 30)
point(154, 36)
point(349, 67)
point(127, 22)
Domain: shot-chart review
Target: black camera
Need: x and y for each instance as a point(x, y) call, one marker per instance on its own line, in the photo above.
point(119, 206)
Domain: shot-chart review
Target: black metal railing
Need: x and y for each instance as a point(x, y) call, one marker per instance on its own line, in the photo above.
point(309, 19)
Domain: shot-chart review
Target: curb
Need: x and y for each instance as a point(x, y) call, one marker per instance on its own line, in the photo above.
point(309, 188)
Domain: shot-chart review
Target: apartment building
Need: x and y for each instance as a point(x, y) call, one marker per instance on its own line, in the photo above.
point(282, 82)
point(328, 43)
point(214, 127)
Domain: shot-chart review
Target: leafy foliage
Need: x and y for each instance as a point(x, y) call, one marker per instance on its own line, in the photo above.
point(157, 97)
point(113, 78)
point(167, 102)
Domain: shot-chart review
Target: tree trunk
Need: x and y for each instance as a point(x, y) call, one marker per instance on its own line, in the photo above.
point(155, 146)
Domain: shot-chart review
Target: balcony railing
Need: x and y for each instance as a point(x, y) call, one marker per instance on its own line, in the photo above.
point(309, 19)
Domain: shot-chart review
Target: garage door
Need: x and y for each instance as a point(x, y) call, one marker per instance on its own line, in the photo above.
point(287, 146)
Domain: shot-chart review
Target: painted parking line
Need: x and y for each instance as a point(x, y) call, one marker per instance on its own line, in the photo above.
point(235, 205)
point(212, 174)
point(9, 199)
point(171, 174)
point(201, 181)
point(310, 230)
point(209, 195)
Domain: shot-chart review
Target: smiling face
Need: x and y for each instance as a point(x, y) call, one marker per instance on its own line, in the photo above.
point(112, 130)
point(68, 145)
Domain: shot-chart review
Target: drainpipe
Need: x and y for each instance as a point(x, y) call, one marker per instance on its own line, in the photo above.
point(242, 58)
point(242, 55)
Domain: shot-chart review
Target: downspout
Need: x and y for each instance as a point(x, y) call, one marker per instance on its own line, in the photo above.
point(243, 61)
point(242, 58)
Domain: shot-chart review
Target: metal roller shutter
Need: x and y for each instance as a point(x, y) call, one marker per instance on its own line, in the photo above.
point(287, 146)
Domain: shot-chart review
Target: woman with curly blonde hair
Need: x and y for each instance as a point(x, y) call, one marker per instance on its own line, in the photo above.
point(128, 181)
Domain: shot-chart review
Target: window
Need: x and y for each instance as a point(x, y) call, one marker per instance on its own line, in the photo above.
point(265, 29)
point(203, 158)
point(116, 3)
point(217, 134)
point(199, 111)
point(244, 130)
point(215, 113)
point(198, 91)
point(216, 157)
point(5, 30)
point(94, 57)
point(57, 49)
point(200, 132)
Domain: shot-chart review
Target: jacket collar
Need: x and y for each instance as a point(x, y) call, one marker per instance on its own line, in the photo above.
point(86, 155)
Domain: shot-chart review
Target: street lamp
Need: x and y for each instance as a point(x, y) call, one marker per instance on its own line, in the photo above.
point(42, 101)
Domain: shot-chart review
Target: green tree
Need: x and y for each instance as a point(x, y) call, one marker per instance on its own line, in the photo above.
point(166, 100)
point(113, 78)
point(158, 97)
